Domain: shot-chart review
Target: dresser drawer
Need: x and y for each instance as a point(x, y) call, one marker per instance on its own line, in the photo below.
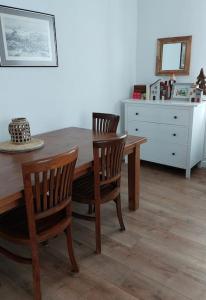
point(158, 115)
point(167, 154)
point(159, 132)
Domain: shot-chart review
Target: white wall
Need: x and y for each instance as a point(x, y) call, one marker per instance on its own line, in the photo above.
point(164, 18)
point(97, 66)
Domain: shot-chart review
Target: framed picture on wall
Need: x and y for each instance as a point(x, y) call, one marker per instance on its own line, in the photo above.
point(27, 38)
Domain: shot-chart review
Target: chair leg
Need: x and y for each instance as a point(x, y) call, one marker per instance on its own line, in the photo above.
point(98, 228)
point(119, 212)
point(36, 272)
point(75, 267)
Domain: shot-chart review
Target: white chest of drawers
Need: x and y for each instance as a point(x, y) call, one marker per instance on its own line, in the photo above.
point(175, 131)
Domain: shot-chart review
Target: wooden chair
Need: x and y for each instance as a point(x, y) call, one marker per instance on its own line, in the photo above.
point(103, 184)
point(104, 122)
point(46, 213)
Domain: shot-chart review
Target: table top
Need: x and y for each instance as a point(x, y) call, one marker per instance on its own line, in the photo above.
point(56, 142)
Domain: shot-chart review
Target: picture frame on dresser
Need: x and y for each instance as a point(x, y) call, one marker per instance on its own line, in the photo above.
point(181, 91)
point(27, 38)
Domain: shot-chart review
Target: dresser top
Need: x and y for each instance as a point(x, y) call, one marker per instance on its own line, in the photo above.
point(164, 102)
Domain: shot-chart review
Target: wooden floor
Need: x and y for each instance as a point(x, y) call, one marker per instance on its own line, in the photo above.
point(161, 256)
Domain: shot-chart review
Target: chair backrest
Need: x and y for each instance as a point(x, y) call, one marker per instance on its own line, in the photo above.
point(108, 156)
point(48, 185)
point(104, 122)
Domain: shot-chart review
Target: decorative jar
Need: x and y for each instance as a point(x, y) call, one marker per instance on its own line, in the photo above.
point(19, 130)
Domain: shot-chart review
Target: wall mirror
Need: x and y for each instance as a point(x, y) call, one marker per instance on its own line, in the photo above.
point(173, 55)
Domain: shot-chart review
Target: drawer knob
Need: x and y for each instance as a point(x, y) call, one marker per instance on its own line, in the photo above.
point(175, 117)
point(174, 134)
point(173, 153)
point(137, 129)
point(137, 114)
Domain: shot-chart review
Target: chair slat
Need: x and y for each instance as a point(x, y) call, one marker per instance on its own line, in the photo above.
point(45, 191)
point(68, 170)
point(103, 163)
point(37, 192)
point(63, 175)
point(51, 188)
point(58, 178)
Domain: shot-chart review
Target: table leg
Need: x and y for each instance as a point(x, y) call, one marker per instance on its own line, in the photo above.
point(134, 178)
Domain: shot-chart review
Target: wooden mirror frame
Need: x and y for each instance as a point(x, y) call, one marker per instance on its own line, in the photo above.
point(181, 39)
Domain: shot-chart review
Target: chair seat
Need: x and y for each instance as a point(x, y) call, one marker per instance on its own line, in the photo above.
point(14, 226)
point(83, 190)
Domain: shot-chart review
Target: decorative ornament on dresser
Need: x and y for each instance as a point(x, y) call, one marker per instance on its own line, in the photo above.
point(164, 91)
point(201, 81)
point(172, 81)
point(155, 90)
point(140, 92)
point(196, 94)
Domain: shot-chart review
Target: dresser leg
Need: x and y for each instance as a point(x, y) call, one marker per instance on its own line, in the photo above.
point(188, 173)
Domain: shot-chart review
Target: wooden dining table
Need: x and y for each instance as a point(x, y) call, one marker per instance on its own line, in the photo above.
point(60, 141)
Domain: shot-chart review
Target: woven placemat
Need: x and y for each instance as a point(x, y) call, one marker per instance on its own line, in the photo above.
point(33, 145)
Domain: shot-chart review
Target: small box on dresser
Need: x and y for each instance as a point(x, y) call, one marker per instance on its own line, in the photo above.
point(175, 131)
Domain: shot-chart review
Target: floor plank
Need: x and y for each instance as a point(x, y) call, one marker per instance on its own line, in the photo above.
point(160, 256)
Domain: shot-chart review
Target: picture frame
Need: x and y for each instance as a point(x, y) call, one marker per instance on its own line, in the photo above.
point(27, 38)
point(182, 91)
point(184, 59)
